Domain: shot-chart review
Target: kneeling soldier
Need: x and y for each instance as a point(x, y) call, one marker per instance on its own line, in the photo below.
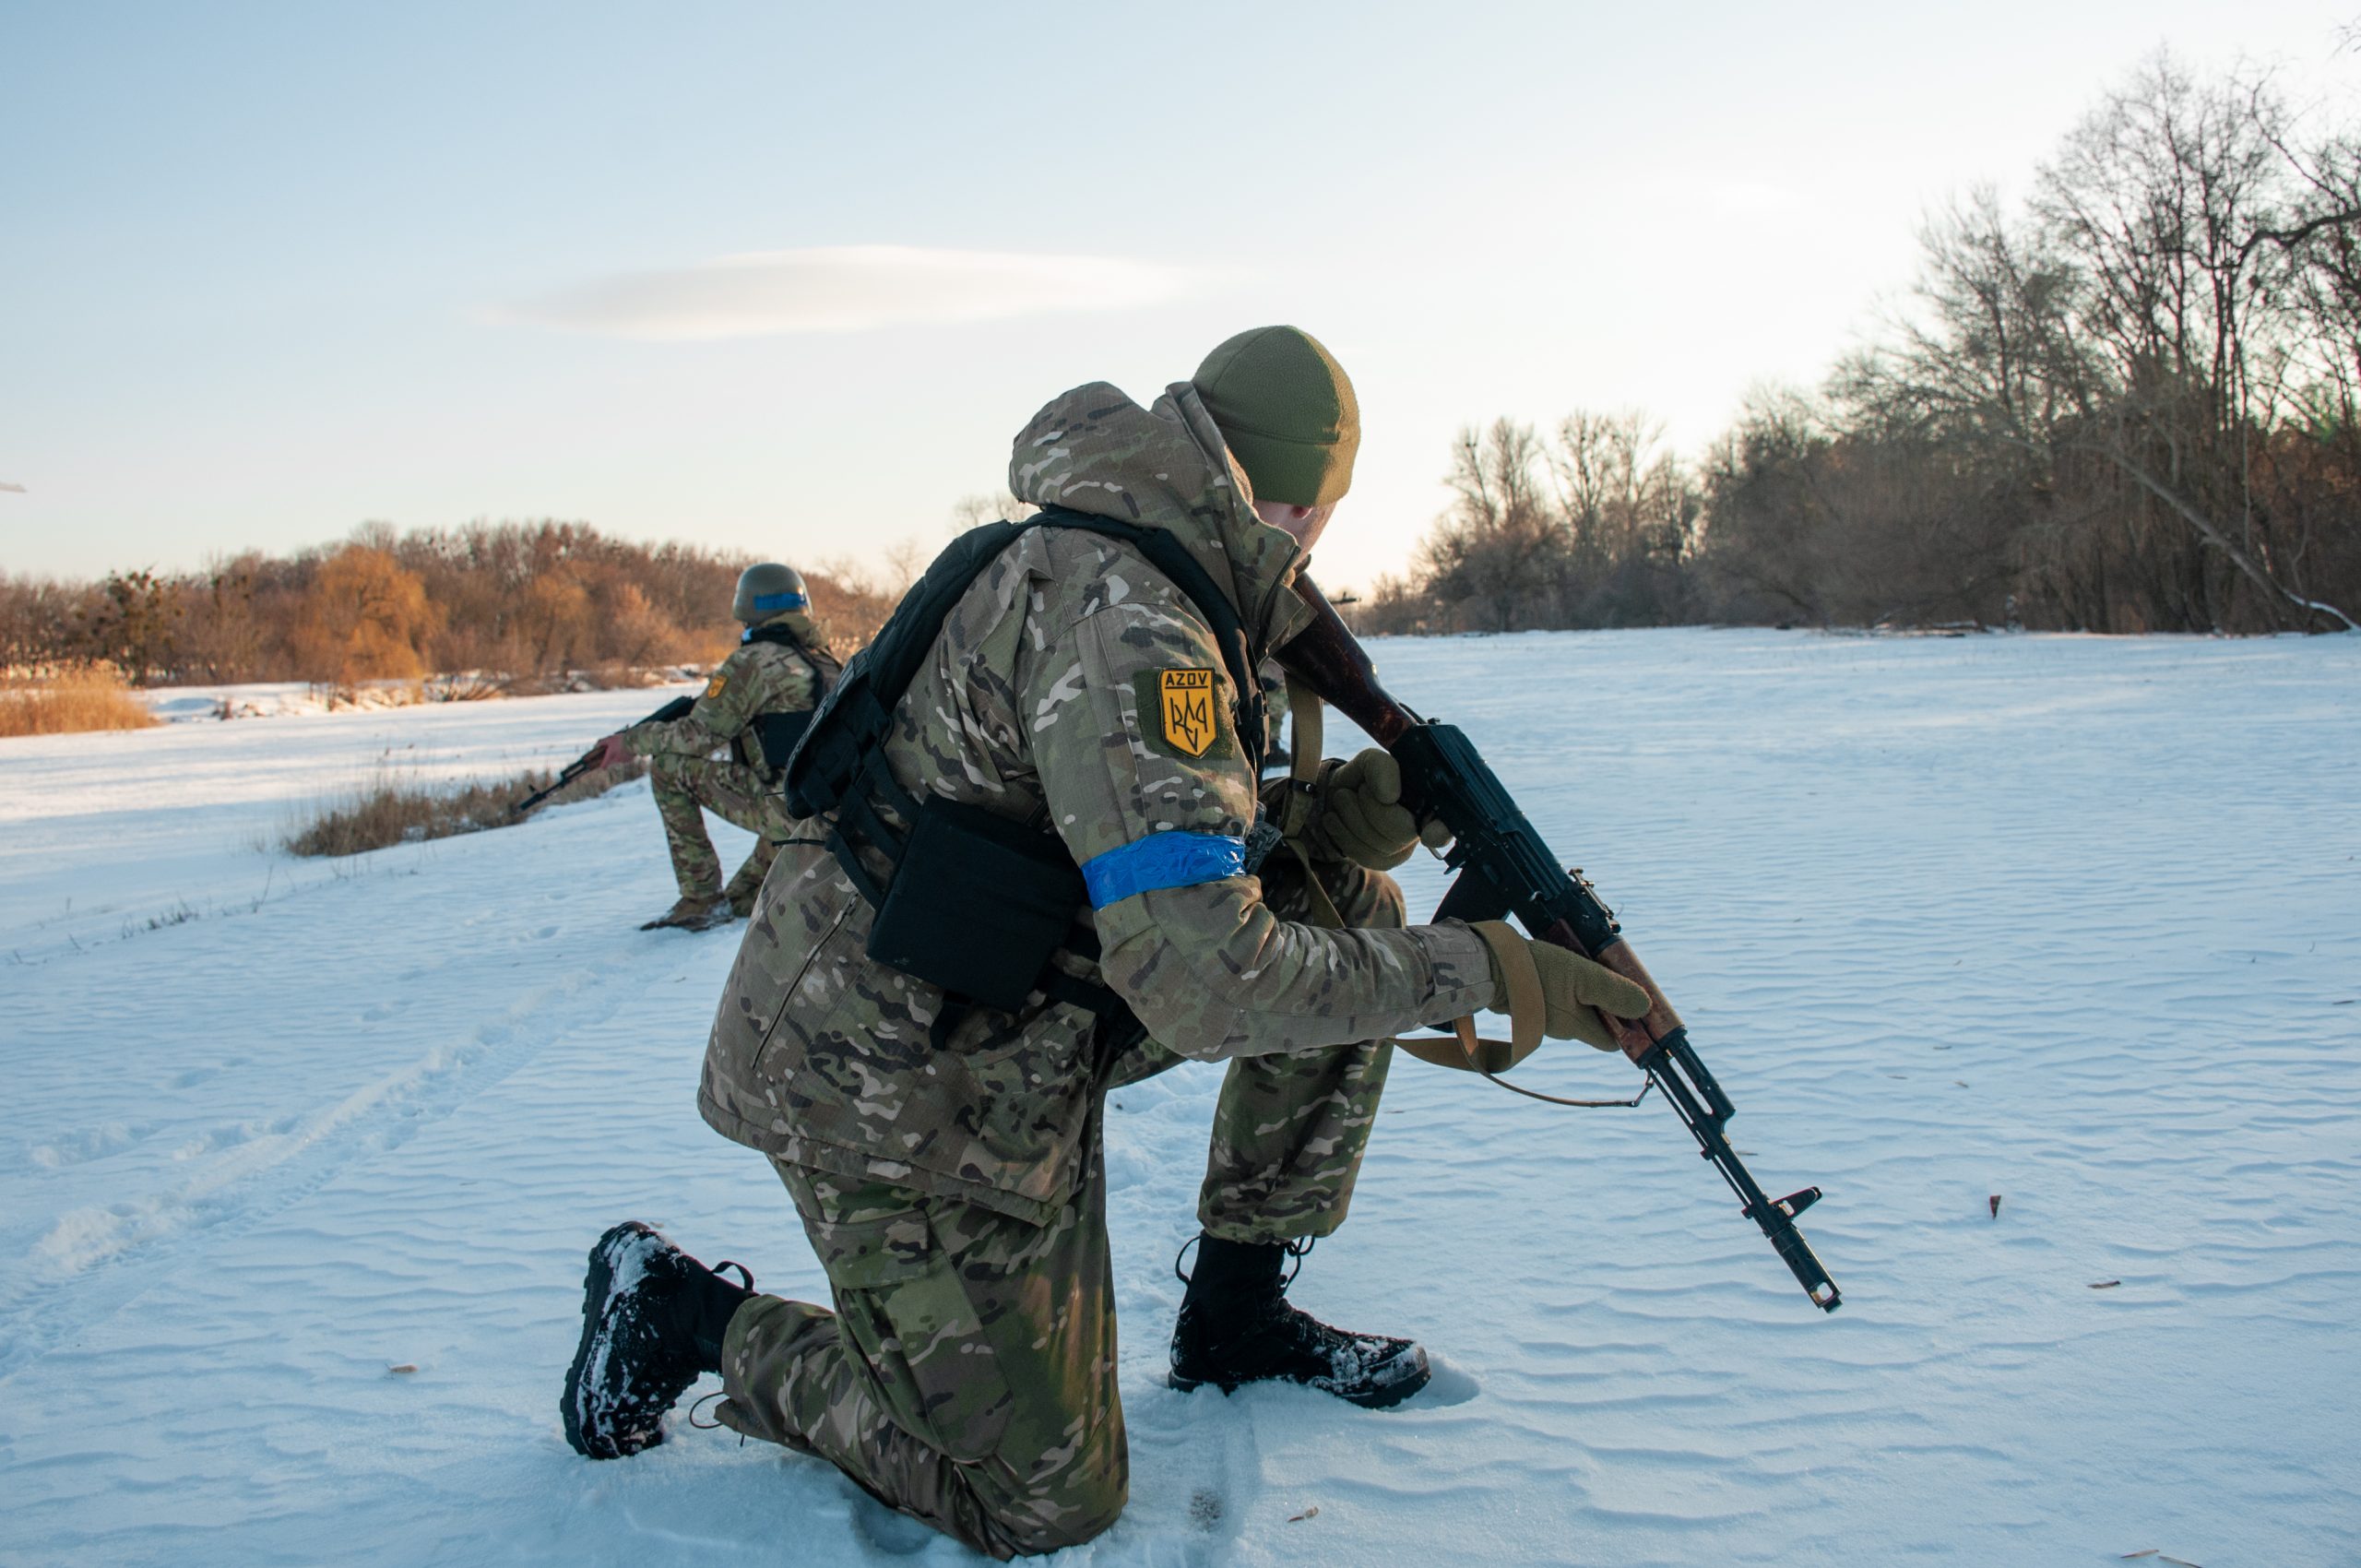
point(755, 704)
point(929, 1086)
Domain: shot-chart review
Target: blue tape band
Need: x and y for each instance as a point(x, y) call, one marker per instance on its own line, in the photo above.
point(1162, 859)
point(767, 602)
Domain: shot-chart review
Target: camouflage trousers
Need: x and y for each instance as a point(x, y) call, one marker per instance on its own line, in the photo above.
point(1288, 1130)
point(687, 786)
point(968, 1375)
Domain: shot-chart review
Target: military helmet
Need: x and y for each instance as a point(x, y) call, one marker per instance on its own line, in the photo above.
point(767, 590)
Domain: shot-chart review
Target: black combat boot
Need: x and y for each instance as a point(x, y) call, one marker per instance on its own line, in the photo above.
point(1237, 1326)
point(652, 1320)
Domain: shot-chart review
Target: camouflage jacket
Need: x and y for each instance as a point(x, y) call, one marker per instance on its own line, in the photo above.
point(758, 678)
point(1069, 687)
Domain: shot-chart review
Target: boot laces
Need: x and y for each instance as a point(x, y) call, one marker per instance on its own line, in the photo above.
point(1297, 1251)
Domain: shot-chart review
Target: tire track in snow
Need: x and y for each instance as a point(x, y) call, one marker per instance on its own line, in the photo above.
point(75, 1265)
point(73, 1272)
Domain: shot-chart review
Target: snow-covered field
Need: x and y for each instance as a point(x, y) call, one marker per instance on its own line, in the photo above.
point(2074, 922)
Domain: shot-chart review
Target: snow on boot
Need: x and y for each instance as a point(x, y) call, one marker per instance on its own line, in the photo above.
point(652, 1320)
point(700, 914)
point(1237, 1326)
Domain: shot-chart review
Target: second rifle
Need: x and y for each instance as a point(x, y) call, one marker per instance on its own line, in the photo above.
point(677, 709)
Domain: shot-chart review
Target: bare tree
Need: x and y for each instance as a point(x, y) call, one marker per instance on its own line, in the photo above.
point(906, 559)
point(2112, 367)
point(1498, 555)
point(2174, 200)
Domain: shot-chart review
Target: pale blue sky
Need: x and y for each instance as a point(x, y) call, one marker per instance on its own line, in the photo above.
point(267, 271)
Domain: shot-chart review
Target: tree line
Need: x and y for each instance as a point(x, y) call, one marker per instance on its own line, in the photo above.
point(2127, 403)
point(490, 607)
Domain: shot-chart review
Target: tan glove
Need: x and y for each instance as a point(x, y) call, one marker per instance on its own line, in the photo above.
point(1363, 818)
point(1570, 987)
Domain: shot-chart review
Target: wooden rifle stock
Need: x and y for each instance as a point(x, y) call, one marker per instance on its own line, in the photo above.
point(1504, 868)
point(1332, 662)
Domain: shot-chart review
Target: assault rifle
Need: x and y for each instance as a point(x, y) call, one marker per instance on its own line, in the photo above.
point(1504, 868)
point(677, 709)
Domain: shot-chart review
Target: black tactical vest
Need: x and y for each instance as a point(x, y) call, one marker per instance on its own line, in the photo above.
point(777, 734)
point(976, 903)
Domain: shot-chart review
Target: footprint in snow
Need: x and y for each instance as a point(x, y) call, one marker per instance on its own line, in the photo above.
point(894, 1535)
point(95, 1143)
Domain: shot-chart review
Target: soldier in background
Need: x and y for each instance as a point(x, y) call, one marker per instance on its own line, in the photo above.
point(946, 1161)
point(753, 707)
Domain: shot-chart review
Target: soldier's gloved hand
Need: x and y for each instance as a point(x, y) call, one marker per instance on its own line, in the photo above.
point(1363, 818)
point(612, 751)
point(1570, 987)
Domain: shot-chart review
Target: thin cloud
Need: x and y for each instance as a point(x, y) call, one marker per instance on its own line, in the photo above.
point(845, 288)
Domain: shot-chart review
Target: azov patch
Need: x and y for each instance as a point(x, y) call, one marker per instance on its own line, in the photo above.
point(1183, 714)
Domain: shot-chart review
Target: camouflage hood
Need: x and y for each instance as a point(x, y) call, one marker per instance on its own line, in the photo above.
point(1094, 450)
point(797, 624)
point(1042, 701)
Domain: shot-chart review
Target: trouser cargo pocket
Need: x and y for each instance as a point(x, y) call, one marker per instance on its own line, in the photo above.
point(907, 1317)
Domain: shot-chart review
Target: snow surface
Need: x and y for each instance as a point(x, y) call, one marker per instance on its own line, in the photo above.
point(2073, 921)
point(266, 699)
point(204, 703)
point(107, 832)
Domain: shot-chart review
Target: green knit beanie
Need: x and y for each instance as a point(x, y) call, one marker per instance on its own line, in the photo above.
point(1287, 411)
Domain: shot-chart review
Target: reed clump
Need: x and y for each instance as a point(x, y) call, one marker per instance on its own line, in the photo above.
point(68, 699)
point(389, 811)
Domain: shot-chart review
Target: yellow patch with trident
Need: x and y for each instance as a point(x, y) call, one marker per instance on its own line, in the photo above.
point(1184, 713)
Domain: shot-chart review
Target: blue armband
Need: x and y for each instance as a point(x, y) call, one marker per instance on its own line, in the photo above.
point(1162, 859)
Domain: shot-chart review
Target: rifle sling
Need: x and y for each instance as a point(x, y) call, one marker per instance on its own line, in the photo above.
point(1301, 804)
point(1527, 1010)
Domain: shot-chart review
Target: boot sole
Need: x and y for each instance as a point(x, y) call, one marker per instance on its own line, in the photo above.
point(598, 1295)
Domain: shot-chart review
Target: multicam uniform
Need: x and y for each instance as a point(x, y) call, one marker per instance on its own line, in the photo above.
point(956, 1196)
point(758, 678)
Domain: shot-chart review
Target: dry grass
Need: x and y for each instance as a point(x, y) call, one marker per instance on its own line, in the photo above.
point(393, 811)
point(88, 696)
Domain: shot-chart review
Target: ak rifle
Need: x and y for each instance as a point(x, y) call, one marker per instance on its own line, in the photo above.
point(677, 709)
point(1504, 868)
